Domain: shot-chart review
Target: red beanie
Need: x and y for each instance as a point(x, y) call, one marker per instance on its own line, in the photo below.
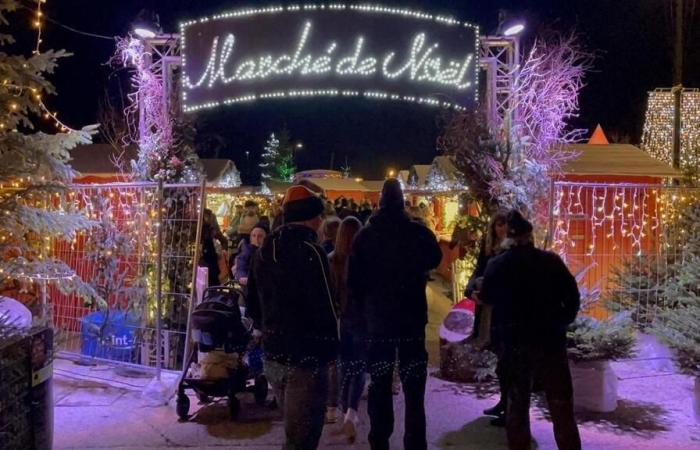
point(300, 204)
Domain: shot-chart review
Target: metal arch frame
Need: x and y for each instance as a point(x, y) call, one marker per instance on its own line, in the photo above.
point(499, 58)
point(163, 53)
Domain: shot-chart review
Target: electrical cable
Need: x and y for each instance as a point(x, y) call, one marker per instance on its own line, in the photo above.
point(74, 30)
point(69, 28)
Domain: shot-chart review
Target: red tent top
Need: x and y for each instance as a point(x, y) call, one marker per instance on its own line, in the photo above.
point(598, 137)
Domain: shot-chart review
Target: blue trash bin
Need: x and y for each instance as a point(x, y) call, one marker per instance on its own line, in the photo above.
point(114, 340)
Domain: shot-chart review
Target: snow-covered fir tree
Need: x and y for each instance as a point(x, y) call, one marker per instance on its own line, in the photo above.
point(34, 176)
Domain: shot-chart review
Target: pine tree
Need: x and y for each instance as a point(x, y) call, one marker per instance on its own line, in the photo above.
point(639, 287)
point(270, 158)
point(278, 158)
point(679, 326)
point(34, 175)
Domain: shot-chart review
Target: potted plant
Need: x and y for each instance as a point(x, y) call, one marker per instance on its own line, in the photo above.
point(592, 344)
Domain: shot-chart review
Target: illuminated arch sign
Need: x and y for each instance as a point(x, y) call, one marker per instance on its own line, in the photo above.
point(329, 50)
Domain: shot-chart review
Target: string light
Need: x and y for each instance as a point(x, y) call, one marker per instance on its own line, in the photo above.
point(377, 95)
point(38, 23)
point(618, 217)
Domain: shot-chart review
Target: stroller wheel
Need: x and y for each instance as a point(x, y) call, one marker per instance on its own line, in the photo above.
point(203, 398)
point(234, 405)
point(261, 389)
point(182, 406)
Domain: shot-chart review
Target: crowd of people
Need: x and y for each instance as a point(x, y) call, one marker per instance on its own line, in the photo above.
point(336, 297)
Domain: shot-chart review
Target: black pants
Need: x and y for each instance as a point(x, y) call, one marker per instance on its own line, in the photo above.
point(413, 371)
point(502, 374)
point(550, 367)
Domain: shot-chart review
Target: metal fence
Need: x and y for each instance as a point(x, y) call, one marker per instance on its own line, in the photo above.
point(623, 242)
point(142, 230)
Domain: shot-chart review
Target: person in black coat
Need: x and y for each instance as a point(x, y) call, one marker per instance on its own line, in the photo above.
point(290, 301)
point(535, 298)
point(388, 272)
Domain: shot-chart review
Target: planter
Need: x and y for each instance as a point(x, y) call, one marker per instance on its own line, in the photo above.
point(696, 399)
point(595, 386)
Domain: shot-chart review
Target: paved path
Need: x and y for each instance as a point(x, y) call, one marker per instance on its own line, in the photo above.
point(654, 413)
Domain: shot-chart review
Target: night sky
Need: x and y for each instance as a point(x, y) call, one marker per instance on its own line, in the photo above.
point(632, 40)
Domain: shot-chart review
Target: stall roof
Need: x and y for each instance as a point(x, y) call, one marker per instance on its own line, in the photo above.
point(421, 171)
point(215, 169)
point(98, 159)
point(277, 187)
point(338, 184)
point(446, 166)
point(373, 185)
point(616, 159)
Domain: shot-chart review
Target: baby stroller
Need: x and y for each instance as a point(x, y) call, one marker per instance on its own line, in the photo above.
point(217, 325)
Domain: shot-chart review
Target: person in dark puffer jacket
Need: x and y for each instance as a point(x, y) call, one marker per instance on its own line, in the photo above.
point(290, 301)
point(388, 273)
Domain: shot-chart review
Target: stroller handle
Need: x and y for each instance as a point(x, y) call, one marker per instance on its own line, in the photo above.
point(225, 290)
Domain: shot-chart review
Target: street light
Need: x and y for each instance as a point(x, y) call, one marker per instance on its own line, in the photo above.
point(300, 145)
point(514, 29)
point(391, 173)
point(146, 25)
point(509, 26)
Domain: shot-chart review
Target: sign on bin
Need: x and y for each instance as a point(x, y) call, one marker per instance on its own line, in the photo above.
point(109, 335)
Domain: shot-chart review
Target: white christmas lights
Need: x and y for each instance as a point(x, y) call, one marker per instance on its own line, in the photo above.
point(657, 136)
point(594, 220)
point(421, 63)
point(294, 93)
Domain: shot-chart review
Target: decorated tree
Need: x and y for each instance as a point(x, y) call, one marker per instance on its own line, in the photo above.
point(546, 91)
point(278, 158)
point(165, 138)
point(513, 168)
point(34, 177)
point(270, 158)
point(109, 250)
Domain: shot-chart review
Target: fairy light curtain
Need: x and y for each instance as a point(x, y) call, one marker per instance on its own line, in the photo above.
point(657, 135)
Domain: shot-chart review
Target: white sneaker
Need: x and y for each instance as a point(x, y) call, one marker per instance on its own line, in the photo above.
point(331, 414)
point(350, 425)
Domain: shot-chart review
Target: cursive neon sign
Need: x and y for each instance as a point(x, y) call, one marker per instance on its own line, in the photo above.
point(252, 54)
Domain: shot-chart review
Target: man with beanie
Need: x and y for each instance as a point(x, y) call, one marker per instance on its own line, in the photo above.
point(290, 302)
point(388, 273)
point(535, 298)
